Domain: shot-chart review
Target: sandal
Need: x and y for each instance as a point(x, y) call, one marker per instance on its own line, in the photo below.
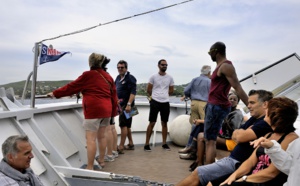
point(120, 151)
point(101, 164)
point(129, 147)
point(96, 167)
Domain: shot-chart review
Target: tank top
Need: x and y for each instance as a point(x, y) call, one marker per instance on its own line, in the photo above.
point(264, 161)
point(219, 89)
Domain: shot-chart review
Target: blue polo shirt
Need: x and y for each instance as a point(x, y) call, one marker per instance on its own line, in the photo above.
point(125, 87)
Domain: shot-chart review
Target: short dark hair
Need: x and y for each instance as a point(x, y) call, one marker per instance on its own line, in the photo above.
point(159, 62)
point(263, 95)
point(122, 62)
point(283, 113)
point(221, 48)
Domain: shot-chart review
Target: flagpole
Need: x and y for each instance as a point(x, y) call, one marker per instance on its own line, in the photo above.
point(34, 75)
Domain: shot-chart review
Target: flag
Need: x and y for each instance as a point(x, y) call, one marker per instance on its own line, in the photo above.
point(49, 54)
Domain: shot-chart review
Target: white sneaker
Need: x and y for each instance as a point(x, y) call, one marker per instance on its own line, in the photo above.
point(109, 158)
point(115, 154)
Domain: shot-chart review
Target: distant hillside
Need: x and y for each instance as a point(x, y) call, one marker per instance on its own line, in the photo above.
point(44, 87)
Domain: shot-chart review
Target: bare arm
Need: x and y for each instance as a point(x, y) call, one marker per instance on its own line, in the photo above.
point(131, 98)
point(242, 136)
point(171, 90)
point(271, 172)
point(149, 89)
point(244, 169)
point(229, 72)
point(128, 107)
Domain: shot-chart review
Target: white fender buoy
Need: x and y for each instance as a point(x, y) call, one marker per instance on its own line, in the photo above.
point(180, 129)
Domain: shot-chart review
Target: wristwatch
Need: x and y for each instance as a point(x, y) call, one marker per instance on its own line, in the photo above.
point(244, 178)
point(129, 104)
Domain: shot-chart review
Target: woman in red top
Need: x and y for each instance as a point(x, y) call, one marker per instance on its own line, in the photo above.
point(99, 104)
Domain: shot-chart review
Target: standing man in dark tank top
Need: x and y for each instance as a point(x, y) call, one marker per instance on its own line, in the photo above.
point(218, 107)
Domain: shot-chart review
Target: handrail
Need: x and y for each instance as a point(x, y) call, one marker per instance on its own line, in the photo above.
point(25, 87)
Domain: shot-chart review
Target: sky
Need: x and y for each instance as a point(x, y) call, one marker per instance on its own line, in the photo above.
point(256, 33)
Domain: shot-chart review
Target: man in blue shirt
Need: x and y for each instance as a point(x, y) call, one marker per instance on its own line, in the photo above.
point(126, 90)
point(197, 91)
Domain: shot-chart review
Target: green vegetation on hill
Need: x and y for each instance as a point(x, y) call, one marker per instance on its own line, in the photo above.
point(44, 87)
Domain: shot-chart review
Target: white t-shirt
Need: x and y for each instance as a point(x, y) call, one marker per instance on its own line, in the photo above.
point(161, 84)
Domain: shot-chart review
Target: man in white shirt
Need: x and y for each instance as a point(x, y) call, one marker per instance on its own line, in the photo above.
point(160, 86)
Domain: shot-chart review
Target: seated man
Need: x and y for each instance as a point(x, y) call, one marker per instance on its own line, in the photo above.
point(190, 152)
point(15, 165)
point(224, 142)
point(254, 128)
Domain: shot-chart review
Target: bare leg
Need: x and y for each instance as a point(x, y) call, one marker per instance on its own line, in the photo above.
point(221, 144)
point(123, 137)
point(200, 149)
point(102, 144)
point(109, 140)
point(210, 153)
point(91, 148)
point(129, 135)
point(149, 132)
point(191, 180)
point(115, 137)
point(164, 132)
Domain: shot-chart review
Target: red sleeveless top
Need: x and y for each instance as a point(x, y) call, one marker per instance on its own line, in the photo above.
point(219, 89)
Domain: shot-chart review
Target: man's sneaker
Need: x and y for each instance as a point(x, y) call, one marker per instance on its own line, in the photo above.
point(190, 156)
point(147, 148)
point(165, 147)
point(109, 158)
point(184, 150)
point(115, 154)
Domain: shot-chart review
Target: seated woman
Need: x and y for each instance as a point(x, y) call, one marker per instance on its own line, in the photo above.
point(232, 121)
point(287, 161)
point(224, 142)
point(258, 169)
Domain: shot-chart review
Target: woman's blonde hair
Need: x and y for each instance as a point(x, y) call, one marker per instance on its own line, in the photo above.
point(96, 60)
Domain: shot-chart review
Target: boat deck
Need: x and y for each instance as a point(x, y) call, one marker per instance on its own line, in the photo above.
point(158, 165)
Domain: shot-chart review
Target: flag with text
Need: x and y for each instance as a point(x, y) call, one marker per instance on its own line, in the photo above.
point(49, 54)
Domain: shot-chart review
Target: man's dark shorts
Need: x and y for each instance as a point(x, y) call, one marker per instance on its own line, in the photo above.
point(162, 108)
point(123, 121)
point(214, 116)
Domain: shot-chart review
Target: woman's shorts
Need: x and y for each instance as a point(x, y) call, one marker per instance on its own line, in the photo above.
point(94, 124)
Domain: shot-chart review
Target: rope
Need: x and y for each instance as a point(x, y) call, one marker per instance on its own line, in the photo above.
point(117, 20)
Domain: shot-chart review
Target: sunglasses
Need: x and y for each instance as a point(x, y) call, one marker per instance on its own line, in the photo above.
point(211, 50)
point(120, 67)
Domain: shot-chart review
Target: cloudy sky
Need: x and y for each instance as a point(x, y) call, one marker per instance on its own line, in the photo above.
point(257, 33)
